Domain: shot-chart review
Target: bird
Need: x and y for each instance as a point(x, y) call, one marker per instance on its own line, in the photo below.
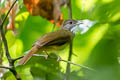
point(57, 40)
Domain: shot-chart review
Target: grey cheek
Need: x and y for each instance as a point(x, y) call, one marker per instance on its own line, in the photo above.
point(66, 27)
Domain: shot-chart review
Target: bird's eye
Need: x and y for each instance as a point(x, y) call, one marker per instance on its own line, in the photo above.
point(70, 22)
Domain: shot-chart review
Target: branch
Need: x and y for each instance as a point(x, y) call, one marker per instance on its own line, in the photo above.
point(69, 8)
point(11, 62)
point(52, 57)
point(67, 77)
point(4, 67)
point(17, 58)
point(3, 35)
point(82, 66)
point(7, 14)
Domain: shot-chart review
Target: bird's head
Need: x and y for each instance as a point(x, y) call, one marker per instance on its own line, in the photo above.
point(70, 24)
point(77, 25)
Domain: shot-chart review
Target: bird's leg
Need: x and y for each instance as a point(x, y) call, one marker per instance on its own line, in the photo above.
point(58, 58)
point(46, 56)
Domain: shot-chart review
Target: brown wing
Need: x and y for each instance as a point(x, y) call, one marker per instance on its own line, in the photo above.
point(59, 41)
point(49, 40)
point(57, 38)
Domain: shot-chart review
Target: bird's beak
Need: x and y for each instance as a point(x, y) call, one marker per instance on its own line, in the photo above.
point(86, 22)
point(83, 26)
point(79, 22)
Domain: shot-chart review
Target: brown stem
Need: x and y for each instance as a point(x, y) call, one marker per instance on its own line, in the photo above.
point(53, 57)
point(1, 51)
point(69, 9)
point(4, 67)
point(68, 64)
point(11, 62)
point(67, 77)
point(17, 58)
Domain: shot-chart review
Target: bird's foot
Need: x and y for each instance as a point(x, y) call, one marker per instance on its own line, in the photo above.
point(46, 56)
point(59, 58)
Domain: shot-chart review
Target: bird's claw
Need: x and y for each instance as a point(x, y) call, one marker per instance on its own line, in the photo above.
point(46, 56)
point(59, 58)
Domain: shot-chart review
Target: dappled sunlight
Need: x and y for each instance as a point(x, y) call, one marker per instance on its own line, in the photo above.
point(97, 35)
point(96, 44)
point(115, 17)
point(85, 5)
point(22, 16)
point(16, 48)
point(107, 1)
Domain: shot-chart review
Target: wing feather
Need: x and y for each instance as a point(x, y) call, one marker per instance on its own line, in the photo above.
point(53, 38)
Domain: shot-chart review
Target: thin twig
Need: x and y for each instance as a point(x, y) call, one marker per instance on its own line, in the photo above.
point(67, 77)
point(3, 35)
point(68, 64)
point(8, 13)
point(17, 58)
point(69, 8)
point(82, 66)
point(53, 57)
point(4, 67)
point(11, 62)
point(53, 26)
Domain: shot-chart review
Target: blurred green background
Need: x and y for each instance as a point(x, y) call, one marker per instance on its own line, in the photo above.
point(99, 48)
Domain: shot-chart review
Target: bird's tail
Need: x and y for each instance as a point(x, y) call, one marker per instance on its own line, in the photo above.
point(28, 55)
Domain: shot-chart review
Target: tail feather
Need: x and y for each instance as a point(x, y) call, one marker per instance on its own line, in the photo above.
point(28, 55)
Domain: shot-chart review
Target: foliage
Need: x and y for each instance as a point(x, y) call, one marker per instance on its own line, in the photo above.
point(99, 48)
